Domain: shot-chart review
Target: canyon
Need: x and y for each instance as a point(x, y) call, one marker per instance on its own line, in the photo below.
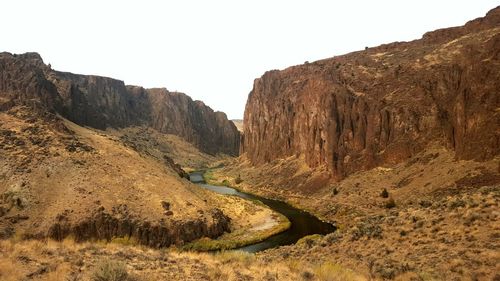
point(91, 158)
point(395, 148)
point(398, 145)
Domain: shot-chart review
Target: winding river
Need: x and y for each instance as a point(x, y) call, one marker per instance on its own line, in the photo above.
point(302, 223)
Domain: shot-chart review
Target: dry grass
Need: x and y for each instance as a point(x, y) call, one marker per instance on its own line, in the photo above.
point(67, 260)
point(442, 227)
point(110, 270)
point(126, 241)
point(9, 269)
point(329, 271)
point(239, 257)
point(73, 184)
point(61, 272)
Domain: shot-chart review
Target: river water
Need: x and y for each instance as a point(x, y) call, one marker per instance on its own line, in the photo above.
point(302, 223)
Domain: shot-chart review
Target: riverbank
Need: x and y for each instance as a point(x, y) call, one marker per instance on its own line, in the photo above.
point(224, 176)
point(251, 222)
point(436, 220)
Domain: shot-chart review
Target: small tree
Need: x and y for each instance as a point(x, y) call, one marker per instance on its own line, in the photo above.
point(384, 193)
point(238, 180)
point(335, 191)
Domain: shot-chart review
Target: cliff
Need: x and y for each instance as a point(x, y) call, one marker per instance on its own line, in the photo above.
point(383, 105)
point(102, 102)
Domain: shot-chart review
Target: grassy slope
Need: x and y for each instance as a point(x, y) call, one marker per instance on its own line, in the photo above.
point(51, 178)
point(443, 224)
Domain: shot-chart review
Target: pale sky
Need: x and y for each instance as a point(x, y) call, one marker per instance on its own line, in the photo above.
point(213, 50)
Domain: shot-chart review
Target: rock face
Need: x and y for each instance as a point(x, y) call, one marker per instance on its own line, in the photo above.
point(178, 114)
point(104, 226)
point(102, 102)
point(384, 104)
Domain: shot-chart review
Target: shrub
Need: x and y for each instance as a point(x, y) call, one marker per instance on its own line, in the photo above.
point(333, 237)
point(335, 191)
point(390, 203)
point(109, 270)
point(306, 275)
point(425, 203)
point(369, 227)
point(309, 240)
point(384, 193)
point(238, 180)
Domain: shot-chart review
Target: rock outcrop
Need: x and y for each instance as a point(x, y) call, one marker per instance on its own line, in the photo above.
point(102, 102)
point(104, 226)
point(384, 104)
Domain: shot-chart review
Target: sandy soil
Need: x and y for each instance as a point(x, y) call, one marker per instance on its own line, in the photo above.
point(265, 223)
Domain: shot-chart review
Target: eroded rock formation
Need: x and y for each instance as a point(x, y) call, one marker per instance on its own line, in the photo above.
point(107, 226)
point(102, 102)
point(384, 104)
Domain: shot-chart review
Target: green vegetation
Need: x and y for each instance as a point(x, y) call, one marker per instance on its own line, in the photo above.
point(310, 240)
point(238, 238)
point(109, 270)
point(210, 178)
point(241, 237)
point(126, 241)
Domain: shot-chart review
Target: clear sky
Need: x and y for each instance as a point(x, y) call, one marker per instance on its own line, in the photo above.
point(213, 50)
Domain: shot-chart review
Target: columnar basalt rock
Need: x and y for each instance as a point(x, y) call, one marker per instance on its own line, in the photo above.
point(102, 102)
point(384, 104)
point(103, 226)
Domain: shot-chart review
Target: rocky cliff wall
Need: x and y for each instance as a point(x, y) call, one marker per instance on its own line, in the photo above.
point(383, 105)
point(102, 102)
point(178, 114)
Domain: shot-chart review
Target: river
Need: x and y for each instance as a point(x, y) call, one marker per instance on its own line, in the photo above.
point(302, 223)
